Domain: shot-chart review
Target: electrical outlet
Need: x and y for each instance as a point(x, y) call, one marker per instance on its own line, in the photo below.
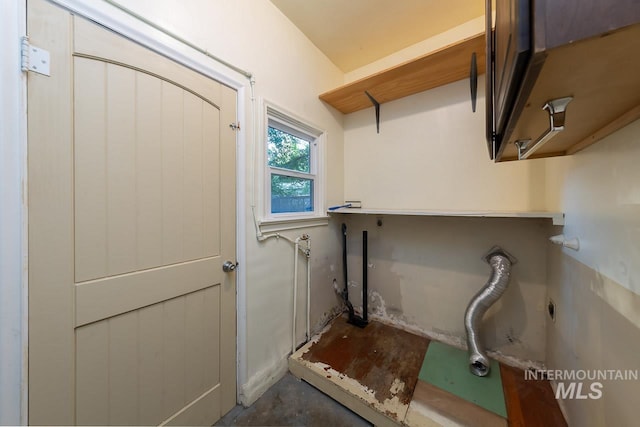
point(551, 309)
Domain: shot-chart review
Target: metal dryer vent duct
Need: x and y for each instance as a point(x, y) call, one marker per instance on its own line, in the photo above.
point(500, 262)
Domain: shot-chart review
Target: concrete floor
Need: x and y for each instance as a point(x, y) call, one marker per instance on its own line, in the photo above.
point(291, 402)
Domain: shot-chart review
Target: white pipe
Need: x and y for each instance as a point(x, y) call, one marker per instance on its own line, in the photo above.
point(561, 240)
point(307, 252)
point(308, 288)
point(278, 236)
point(295, 294)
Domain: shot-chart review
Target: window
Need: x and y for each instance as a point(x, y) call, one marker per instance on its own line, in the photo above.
point(293, 163)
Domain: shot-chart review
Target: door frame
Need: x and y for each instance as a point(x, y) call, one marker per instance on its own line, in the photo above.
point(13, 218)
point(14, 172)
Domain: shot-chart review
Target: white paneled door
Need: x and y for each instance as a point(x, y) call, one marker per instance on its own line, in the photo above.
point(131, 180)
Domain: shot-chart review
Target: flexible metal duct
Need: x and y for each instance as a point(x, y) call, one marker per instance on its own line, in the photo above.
point(500, 262)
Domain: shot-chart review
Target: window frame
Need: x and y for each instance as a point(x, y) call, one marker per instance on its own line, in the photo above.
point(287, 122)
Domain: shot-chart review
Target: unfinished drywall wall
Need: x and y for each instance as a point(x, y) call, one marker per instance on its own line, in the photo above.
point(431, 153)
point(289, 72)
point(423, 271)
point(592, 336)
point(597, 289)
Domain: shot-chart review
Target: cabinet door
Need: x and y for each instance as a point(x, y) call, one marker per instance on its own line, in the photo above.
point(512, 50)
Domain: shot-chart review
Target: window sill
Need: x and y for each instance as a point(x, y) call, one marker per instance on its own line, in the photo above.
point(282, 224)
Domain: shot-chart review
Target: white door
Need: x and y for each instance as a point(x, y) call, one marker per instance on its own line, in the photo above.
point(131, 180)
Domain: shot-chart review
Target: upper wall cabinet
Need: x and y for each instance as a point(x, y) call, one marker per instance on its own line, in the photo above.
point(561, 74)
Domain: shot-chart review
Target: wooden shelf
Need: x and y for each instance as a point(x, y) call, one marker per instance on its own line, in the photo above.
point(446, 65)
point(556, 217)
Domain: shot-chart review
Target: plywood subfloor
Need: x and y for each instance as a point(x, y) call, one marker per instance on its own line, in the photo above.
point(377, 365)
point(375, 372)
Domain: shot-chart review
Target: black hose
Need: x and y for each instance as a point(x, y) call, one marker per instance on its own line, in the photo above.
point(365, 264)
point(345, 293)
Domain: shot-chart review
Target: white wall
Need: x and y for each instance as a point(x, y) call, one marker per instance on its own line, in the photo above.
point(597, 290)
point(431, 154)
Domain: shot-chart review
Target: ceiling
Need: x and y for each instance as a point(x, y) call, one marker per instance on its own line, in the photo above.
point(353, 33)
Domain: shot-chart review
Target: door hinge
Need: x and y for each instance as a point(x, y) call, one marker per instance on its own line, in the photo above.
point(34, 58)
point(235, 126)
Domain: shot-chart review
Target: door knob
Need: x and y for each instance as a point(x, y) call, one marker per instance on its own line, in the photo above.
point(229, 266)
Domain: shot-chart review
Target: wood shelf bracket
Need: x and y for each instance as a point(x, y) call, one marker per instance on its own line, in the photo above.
point(376, 105)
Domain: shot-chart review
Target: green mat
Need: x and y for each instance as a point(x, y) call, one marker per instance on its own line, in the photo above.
point(448, 368)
